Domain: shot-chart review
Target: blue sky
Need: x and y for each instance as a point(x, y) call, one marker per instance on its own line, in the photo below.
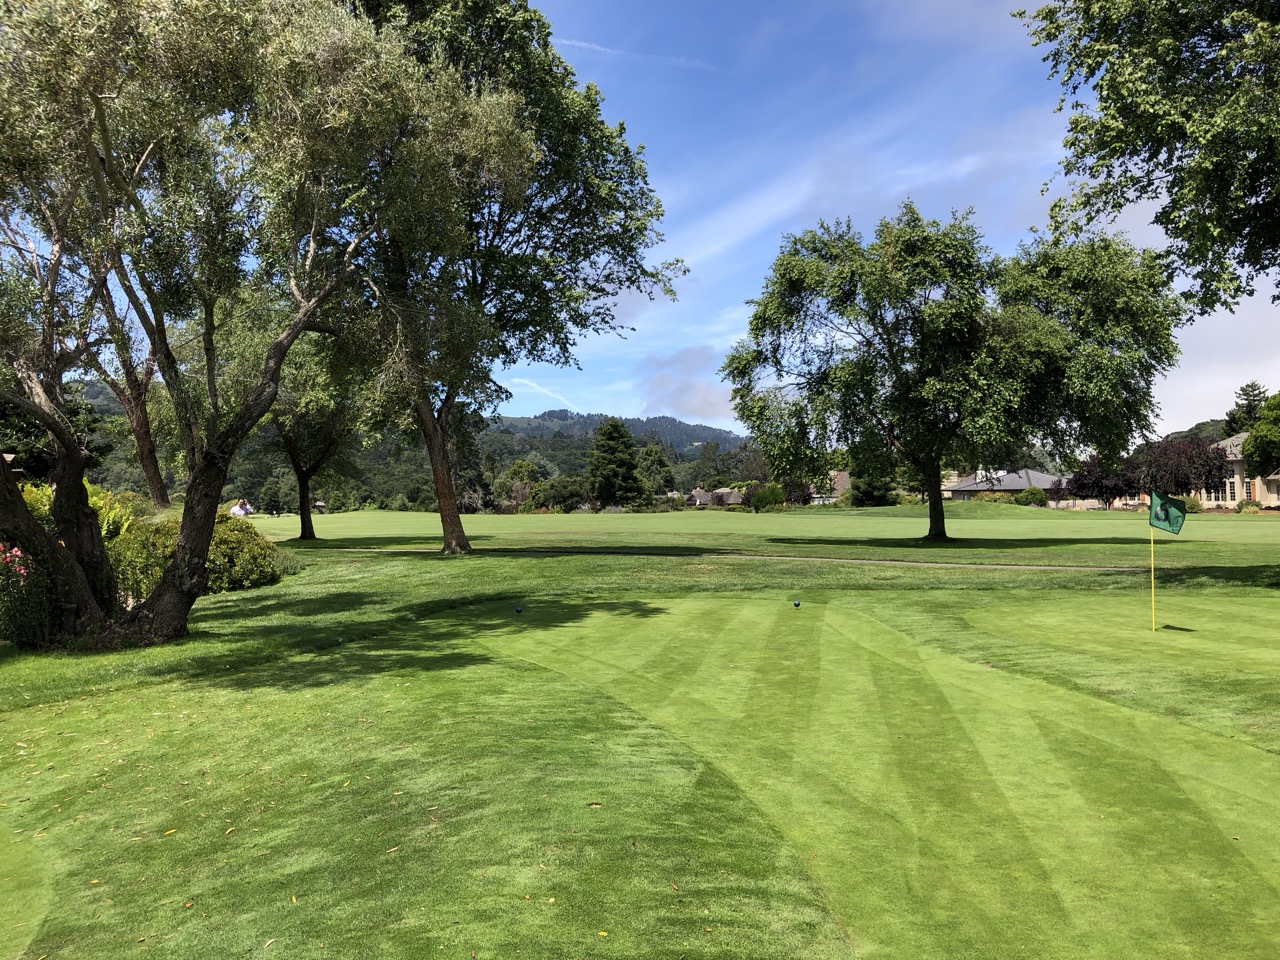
point(759, 119)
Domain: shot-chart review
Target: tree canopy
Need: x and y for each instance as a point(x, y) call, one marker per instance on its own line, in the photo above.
point(920, 347)
point(559, 220)
point(613, 475)
point(1262, 446)
point(176, 162)
point(1174, 104)
point(1248, 407)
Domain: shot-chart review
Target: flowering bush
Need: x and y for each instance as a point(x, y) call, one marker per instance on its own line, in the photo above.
point(23, 591)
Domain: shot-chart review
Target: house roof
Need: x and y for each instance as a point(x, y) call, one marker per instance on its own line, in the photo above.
point(1233, 447)
point(1014, 482)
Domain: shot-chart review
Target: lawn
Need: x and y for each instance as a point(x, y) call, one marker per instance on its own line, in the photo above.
point(661, 755)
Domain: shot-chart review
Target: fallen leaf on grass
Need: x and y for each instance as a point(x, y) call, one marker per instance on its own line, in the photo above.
point(393, 850)
point(229, 829)
point(268, 943)
point(675, 886)
point(602, 933)
point(293, 899)
point(170, 833)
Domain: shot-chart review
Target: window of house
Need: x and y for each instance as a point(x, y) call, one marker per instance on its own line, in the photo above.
point(1231, 489)
point(1217, 495)
point(1248, 489)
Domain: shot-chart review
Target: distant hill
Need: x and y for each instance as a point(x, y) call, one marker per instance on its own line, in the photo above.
point(1211, 430)
point(677, 434)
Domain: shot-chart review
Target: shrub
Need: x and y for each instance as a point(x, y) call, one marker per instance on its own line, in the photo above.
point(768, 495)
point(239, 557)
point(1032, 497)
point(1250, 507)
point(139, 556)
point(39, 499)
point(25, 596)
point(1194, 505)
point(905, 499)
point(993, 496)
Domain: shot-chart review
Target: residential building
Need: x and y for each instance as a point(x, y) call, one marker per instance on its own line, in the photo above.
point(1240, 486)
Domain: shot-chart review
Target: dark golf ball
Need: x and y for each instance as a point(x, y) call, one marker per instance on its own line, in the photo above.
point(795, 602)
point(519, 609)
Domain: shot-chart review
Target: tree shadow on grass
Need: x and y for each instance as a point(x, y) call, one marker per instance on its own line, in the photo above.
point(283, 642)
point(1265, 575)
point(965, 543)
point(389, 542)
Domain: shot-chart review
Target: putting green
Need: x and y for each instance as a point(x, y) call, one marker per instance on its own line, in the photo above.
point(953, 809)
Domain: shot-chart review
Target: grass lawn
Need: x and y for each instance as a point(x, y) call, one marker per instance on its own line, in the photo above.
point(662, 756)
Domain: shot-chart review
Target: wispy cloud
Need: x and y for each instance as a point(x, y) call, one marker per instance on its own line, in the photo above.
point(529, 385)
point(630, 55)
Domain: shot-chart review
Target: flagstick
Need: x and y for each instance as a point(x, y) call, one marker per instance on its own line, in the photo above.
point(1153, 579)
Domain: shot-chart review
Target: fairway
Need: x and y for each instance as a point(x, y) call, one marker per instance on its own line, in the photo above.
point(952, 809)
point(661, 754)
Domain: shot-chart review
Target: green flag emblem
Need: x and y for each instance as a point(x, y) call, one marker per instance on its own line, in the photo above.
point(1167, 513)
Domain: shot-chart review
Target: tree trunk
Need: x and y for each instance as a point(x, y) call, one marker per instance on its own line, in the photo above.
point(436, 433)
point(75, 610)
point(164, 614)
point(933, 490)
point(145, 444)
point(79, 528)
point(308, 531)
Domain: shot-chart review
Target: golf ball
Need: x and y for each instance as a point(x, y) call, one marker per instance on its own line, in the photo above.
point(519, 609)
point(795, 602)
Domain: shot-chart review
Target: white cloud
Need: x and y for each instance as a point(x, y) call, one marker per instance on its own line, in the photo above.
point(686, 384)
point(652, 57)
point(530, 386)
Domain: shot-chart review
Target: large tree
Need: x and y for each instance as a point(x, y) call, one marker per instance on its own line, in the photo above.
point(1178, 465)
point(171, 149)
point(1174, 104)
point(1262, 446)
point(559, 221)
point(613, 474)
point(1248, 407)
point(921, 348)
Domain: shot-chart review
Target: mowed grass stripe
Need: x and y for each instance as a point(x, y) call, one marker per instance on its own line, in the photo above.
point(939, 811)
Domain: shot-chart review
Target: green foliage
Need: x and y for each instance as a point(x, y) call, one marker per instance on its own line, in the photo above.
point(767, 495)
point(872, 491)
point(1173, 104)
point(25, 592)
point(1252, 507)
point(1250, 399)
point(1032, 497)
point(560, 494)
point(613, 475)
point(995, 496)
point(921, 347)
point(139, 556)
point(655, 469)
point(239, 557)
point(1262, 446)
point(39, 500)
point(1193, 504)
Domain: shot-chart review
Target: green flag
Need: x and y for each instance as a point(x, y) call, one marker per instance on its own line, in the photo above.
point(1167, 513)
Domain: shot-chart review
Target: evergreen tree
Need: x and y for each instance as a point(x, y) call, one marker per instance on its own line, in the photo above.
point(613, 475)
point(656, 469)
point(1249, 401)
